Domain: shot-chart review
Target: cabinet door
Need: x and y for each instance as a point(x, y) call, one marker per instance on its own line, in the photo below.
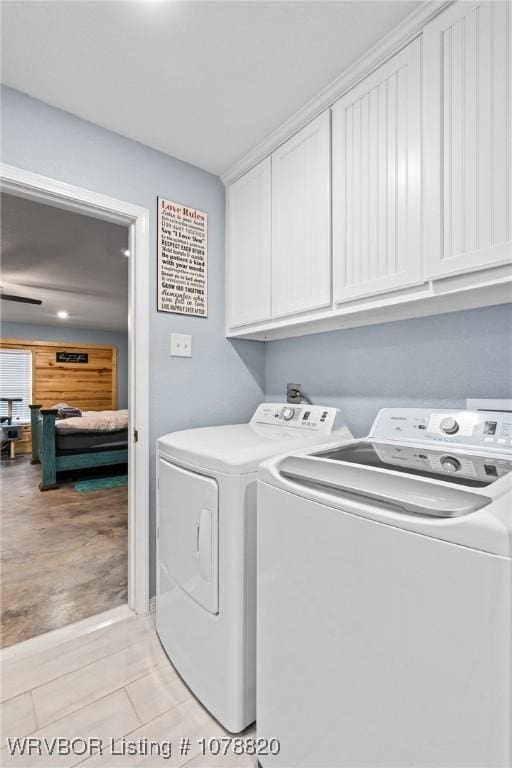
point(248, 263)
point(467, 120)
point(301, 243)
point(376, 180)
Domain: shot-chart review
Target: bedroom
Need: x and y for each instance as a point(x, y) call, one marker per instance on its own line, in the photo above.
point(63, 408)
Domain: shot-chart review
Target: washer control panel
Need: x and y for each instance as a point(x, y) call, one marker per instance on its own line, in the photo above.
point(474, 429)
point(479, 470)
point(304, 417)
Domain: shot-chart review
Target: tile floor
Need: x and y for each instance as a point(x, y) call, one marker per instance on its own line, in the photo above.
point(64, 553)
point(112, 684)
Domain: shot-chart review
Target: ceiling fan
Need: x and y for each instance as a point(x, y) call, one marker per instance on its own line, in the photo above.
point(20, 299)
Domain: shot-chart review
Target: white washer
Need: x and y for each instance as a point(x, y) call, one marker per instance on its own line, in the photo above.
point(206, 548)
point(385, 596)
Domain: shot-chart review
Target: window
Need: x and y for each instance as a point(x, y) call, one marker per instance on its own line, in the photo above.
point(16, 381)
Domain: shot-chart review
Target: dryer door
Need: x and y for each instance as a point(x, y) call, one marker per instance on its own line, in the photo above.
point(188, 532)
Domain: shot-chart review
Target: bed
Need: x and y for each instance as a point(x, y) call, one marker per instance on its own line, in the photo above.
point(93, 439)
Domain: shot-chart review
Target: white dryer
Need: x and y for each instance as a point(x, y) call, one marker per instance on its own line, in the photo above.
point(206, 548)
point(385, 596)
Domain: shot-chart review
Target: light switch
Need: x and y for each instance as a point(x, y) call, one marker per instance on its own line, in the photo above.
point(181, 345)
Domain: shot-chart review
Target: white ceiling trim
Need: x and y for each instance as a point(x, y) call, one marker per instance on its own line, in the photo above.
point(390, 44)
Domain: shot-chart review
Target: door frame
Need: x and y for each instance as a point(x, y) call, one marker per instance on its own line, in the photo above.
point(32, 186)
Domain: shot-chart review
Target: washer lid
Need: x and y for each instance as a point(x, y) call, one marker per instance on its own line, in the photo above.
point(401, 493)
point(237, 448)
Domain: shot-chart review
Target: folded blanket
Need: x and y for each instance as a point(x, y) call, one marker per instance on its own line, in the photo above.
point(94, 421)
point(66, 411)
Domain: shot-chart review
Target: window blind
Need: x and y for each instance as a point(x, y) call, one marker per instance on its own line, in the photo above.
point(16, 381)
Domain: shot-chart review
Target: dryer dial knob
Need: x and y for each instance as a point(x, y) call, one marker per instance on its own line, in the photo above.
point(288, 413)
point(450, 464)
point(449, 425)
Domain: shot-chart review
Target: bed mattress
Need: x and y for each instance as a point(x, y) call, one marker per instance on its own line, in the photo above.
point(93, 421)
point(81, 442)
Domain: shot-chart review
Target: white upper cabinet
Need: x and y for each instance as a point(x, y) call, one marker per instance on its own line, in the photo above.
point(301, 243)
point(376, 176)
point(467, 118)
point(420, 178)
point(248, 265)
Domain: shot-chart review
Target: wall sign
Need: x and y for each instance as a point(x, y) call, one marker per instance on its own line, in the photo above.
point(182, 259)
point(72, 357)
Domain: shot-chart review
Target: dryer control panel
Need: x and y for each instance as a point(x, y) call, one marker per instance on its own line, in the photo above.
point(307, 418)
point(472, 429)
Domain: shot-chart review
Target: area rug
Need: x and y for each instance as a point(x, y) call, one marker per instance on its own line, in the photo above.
point(101, 483)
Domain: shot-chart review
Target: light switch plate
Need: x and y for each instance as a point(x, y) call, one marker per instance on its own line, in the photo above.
point(181, 345)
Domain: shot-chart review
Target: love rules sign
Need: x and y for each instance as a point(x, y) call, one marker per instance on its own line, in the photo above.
point(182, 259)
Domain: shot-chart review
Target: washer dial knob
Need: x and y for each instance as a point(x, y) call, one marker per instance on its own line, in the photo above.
point(288, 413)
point(450, 464)
point(449, 425)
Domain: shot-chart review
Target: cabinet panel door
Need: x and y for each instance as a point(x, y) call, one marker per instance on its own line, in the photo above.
point(248, 265)
point(301, 243)
point(467, 118)
point(376, 180)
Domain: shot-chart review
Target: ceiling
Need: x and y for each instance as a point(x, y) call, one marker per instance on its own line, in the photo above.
point(202, 81)
point(70, 261)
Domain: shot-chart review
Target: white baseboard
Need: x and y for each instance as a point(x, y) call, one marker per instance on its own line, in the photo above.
point(152, 604)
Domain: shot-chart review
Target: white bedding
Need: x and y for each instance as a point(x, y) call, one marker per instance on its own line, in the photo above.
point(93, 421)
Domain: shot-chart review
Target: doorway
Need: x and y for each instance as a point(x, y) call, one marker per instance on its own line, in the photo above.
point(17, 183)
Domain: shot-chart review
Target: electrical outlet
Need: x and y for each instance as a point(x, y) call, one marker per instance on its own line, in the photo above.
point(181, 345)
point(293, 393)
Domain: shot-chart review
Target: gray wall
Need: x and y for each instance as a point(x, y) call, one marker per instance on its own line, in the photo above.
point(83, 335)
point(223, 381)
point(431, 361)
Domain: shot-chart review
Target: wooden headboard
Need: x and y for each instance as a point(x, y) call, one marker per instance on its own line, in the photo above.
point(90, 386)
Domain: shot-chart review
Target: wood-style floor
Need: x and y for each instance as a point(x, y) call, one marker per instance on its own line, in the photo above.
point(113, 684)
point(63, 553)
